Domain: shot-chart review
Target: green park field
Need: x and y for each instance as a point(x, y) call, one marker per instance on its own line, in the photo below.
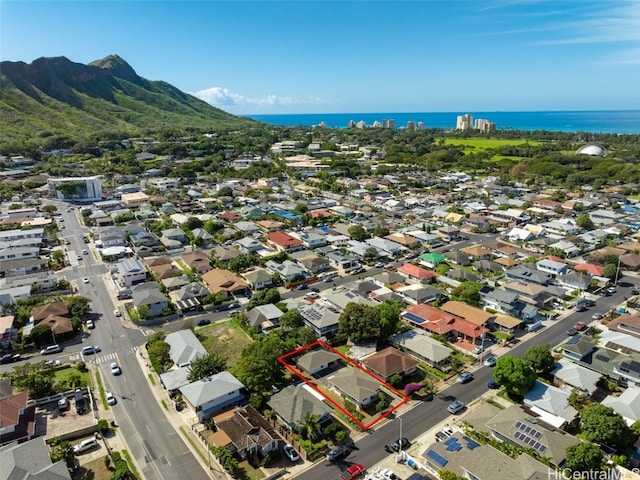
point(487, 143)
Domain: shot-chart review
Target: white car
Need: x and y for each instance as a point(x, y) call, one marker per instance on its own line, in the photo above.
point(291, 453)
point(86, 280)
point(111, 399)
point(115, 369)
point(490, 361)
point(90, 324)
point(116, 313)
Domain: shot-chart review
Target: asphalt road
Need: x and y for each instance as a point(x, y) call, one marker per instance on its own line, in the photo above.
point(428, 414)
point(152, 441)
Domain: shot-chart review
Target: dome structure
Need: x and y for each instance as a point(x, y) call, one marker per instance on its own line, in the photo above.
point(594, 150)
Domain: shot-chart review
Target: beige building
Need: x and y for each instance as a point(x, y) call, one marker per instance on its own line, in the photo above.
point(135, 199)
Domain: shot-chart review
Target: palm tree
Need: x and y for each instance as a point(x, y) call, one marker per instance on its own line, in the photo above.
point(311, 424)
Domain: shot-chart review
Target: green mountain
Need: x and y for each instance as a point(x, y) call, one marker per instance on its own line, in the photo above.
point(54, 101)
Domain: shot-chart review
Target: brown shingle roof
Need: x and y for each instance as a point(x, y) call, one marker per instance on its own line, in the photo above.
point(57, 308)
point(389, 362)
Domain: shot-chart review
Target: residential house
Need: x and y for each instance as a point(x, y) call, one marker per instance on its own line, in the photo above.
point(29, 460)
point(175, 283)
point(355, 385)
point(258, 278)
point(189, 297)
point(197, 261)
point(423, 347)
point(245, 433)
point(467, 458)
point(270, 225)
point(134, 200)
point(224, 254)
point(525, 274)
point(313, 263)
point(322, 320)
point(212, 394)
point(387, 247)
point(432, 259)
point(626, 323)
point(552, 267)
point(418, 293)
point(175, 235)
point(477, 252)
point(627, 404)
point(149, 295)
point(416, 273)
point(574, 281)
point(316, 361)
point(469, 313)
point(131, 272)
point(18, 419)
point(224, 282)
point(342, 262)
point(249, 245)
point(568, 375)
point(283, 242)
point(58, 309)
point(264, 317)
point(518, 427)
point(288, 270)
point(312, 239)
point(184, 347)
point(389, 362)
point(551, 403)
point(292, 404)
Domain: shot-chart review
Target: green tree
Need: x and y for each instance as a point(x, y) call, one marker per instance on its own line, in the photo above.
point(370, 255)
point(41, 334)
point(468, 292)
point(225, 192)
point(78, 306)
point(264, 297)
point(36, 378)
point(291, 319)
point(311, 424)
point(191, 223)
point(584, 457)
point(357, 232)
point(62, 450)
point(577, 399)
point(158, 352)
point(359, 323)
point(258, 367)
point(388, 318)
point(206, 366)
point(611, 270)
point(602, 424)
point(584, 221)
point(50, 209)
point(539, 358)
point(515, 375)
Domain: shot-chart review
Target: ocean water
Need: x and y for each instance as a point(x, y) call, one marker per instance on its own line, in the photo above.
point(602, 121)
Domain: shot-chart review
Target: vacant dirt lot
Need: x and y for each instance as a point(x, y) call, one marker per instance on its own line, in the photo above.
point(225, 340)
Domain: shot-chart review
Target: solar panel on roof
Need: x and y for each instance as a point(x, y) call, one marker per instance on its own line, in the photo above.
point(450, 440)
point(437, 458)
point(471, 444)
point(602, 358)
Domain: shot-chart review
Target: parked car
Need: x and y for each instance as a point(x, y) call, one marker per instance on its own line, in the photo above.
point(79, 257)
point(441, 436)
point(290, 452)
point(352, 472)
point(456, 407)
point(337, 452)
point(493, 384)
point(587, 302)
point(115, 369)
point(581, 307)
point(386, 474)
point(54, 363)
point(51, 349)
point(85, 252)
point(111, 399)
point(490, 361)
point(117, 313)
point(571, 332)
point(85, 445)
point(597, 316)
point(611, 290)
point(233, 305)
point(203, 321)
point(64, 404)
point(9, 358)
point(400, 444)
point(579, 326)
point(465, 377)
point(90, 324)
point(379, 265)
point(303, 286)
point(478, 350)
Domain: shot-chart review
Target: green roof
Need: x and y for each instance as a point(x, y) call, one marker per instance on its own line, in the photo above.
point(433, 257)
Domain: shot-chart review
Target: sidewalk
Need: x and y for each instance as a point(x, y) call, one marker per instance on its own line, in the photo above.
point(184, 422)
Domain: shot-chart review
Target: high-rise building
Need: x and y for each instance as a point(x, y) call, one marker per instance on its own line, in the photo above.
point(464, 122)
point(420, 125)
point(352, 123)
point(484, 125)
point(389, 123)
point(411, 125)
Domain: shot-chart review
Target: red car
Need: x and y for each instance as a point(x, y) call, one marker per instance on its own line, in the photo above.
point(579, 326)
point(352, 472)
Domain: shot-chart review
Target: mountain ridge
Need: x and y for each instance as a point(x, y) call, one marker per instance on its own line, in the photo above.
point(53, 100)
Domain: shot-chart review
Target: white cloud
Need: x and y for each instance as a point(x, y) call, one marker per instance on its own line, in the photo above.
point(223, 97)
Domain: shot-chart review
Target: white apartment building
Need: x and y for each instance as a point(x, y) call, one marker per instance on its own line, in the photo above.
point(464, 122)
point(81, 189)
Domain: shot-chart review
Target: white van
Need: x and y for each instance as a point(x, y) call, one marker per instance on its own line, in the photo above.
point(85, 445)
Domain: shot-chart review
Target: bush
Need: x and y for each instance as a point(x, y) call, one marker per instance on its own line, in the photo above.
point(271, 457)
point(103, 426)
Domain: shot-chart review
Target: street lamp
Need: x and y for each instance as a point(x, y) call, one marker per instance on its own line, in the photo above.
point(400, 438)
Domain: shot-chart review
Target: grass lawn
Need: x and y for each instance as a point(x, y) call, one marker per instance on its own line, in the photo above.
point(63, 375)
point(484, 143)
point(224, 339)
point(94, 470)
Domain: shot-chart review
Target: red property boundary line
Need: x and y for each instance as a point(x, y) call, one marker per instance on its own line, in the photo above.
point(282, 359)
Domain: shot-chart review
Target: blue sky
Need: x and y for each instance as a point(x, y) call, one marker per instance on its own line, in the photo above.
point(329, 56)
